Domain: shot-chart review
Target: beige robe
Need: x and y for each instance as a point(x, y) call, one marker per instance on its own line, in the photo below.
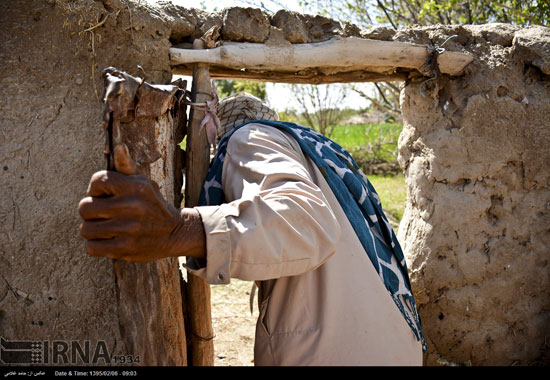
point(321, 300)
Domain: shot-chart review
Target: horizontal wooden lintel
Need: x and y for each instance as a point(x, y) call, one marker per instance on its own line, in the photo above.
point(339, 59)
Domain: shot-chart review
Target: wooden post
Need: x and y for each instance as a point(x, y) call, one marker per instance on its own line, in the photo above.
point(201, 351)
point(149, 295)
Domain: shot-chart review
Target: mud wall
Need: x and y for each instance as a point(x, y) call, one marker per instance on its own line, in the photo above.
point(52, 54)
point(476, 228)
point(474, 149)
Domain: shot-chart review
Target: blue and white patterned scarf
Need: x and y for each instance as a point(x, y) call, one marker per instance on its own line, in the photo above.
point(359, 201)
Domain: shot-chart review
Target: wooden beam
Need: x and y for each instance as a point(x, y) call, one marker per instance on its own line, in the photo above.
point(307, 77)
point(339, 54)
point(197, 161)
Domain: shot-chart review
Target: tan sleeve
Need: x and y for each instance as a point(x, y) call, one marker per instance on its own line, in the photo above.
point(277, 222)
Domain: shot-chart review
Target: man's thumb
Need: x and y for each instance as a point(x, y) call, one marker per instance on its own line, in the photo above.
point(123, 163)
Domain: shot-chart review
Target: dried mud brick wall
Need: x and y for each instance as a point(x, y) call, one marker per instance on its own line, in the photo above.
point(253, 25)
point(52, 142)
point(476, 228)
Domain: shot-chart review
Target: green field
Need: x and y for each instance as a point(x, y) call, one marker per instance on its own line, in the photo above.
point(392, 192)
point(377, 140)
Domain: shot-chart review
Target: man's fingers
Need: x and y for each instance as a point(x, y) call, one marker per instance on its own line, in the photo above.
point(115, 248)
point(123, 163)
point(107, 229)
point(95, 208)
point(91, 208)
point(106, 183)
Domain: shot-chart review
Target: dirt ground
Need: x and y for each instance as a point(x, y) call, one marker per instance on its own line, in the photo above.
point(233, 324)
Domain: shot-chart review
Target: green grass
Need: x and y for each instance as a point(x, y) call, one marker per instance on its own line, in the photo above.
point(368, 137)
point(350, 136)
point(392, 192)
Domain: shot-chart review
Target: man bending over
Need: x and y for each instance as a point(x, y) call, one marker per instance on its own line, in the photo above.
point(289, 209)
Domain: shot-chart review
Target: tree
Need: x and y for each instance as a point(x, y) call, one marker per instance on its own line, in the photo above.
point(398, 13)
point(385, 100)
point(520, 12)
point(319, 105)
point(228, 87)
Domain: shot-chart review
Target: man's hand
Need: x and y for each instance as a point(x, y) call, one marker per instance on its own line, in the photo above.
point(126, 217)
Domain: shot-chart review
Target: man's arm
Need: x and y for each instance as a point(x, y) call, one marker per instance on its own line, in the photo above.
point(279, 223)
point(276, 222)
point(126, 217)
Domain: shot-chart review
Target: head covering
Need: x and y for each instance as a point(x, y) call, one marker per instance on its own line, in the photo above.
point(239, 108)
